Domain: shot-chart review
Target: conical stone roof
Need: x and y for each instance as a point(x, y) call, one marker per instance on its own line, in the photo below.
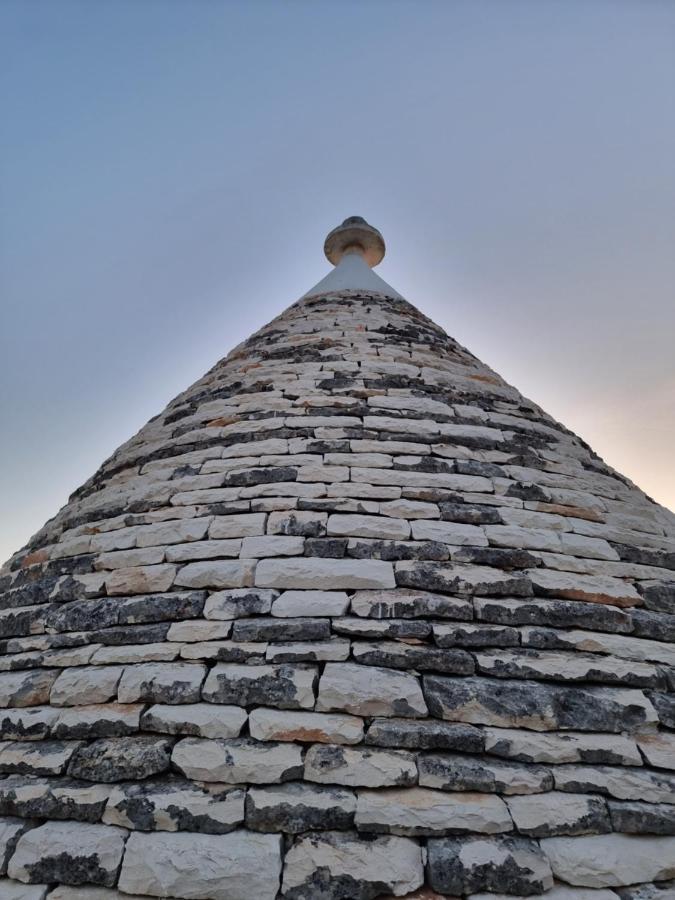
point(350, 619)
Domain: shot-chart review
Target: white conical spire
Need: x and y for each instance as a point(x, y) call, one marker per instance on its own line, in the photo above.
point(354, 248)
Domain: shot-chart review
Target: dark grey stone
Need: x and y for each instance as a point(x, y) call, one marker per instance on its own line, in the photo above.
point(455, 772)
point(161, 607)
point(84, 615)
point(555, 613)
point(435, 577)
point(381, 628)
point(665, 708)
point(476, 636)
point(295, 807)
point(642, 818)
point(659, 597)
point(398, 655)
point(469, 514)
point(424, 734)
point(31, 797)
point(517, 866)
point(108, 760)
point(271, 629)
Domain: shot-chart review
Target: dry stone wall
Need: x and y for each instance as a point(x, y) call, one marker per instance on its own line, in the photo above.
point(350, 619)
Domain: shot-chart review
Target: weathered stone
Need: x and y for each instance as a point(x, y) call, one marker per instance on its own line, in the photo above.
point(278, 725)
point(425, 734)
point(284, 686)
point(216, 574)
point(271, 629)
point(658, 596)
point(98, 720)
point(403, 629)
point(176, 532)
point(369, 526)
point(161, 683)
point(226, 651)
point(359, 766)
point(203, 550)
point(32, 723)
point(161, 607)
point(623, 646)
point(44, 758)
point(409, 656)
point(590, 588)
point(199, 630)
point(31, 797)
point(336, 866)
point(324, 574)
point(238, 761)
point(85, 685)
point(310, 603)
point(369, 691)
point(565, 747)
point(297, 807)
point(545, 815)
point(120, 759)
point(554, 613)
point(296, 522)
point(664, 704)
point(238, 602)
point(665, 890)
point(455, 772)
point(271, 545)
point(610, 860)
point(642, 818)
point(470, 635)
point(136, 654)
point(198, 719)
point(176, 806)
point(560, 665)
point(461, 865)
point(90, 893)
point(420, 811)
point(221, 867)
point(623, 784)
point(540, 707)
point(70, 853)
point(449, 533)
point(141, 579)
point(14, 890)
point(84, 615)
point(406, 604)
point(334, 650)
point(658, 749)
point(237, 526)
point(444, 577)
point(10, 832)
point(26, 688)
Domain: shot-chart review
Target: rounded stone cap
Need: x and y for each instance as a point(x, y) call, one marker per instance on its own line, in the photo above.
point(355, 234)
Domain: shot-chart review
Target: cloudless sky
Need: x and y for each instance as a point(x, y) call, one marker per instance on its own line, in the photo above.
point(168, 172)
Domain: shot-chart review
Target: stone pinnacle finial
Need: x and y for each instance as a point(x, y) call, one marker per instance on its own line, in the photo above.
point(355, 235)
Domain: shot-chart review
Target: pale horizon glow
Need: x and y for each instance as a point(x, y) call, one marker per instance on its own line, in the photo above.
point(169, 170)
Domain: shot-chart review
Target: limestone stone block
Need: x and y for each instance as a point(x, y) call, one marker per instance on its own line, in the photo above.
point(642, 818)
point(140, 579)
point(176, 806)
point(384, 527)
point(347, 866)
point(11, 830)
point(36, 758)
point(590, 588)
point(287, 725)
point(359, 766)
point(223, 573)
point(562, 747)
point(198, 719)
point(303, 523)
point(267, 628)
point(475, 635)
point(197, 550)
point(199, 630)
point(271, 545)
point(409, 509)
point(650, 785)
point(35, 797)
point(310, 603)
point(237, 526)
point(369, 691)
point(610, 860)
point(399, 655)
point(161, 683)
point(560, 665)
point(556, 813)
point(176, 532)
point(554, 613)
point(458, 772)
point(658, 749)
point(333, 650)
point(405, 604)
point(97, 720)
point(449, 533)
point(624, 646)
point(238, 602)
point(108, 760)
point(85, 685)
point(462, 579)
point(421, 811)
point(31, 723)
point(425, 734)
point(296, 807)
point(238, 761)
point(70, 853)
point(285, 686)
point(15, 890)
point(195, 866)
point(135, 653)
point(250, 652)
point(540, 707)
point(461, 865)
point(26, 688)
point(325, 574)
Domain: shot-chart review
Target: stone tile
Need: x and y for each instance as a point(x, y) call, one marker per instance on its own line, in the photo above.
point(610, 860)
point(161, 683)
point(97, 720)
point(216, 574)
point(108, 760)
point(369, 691)
point(295, 807)
point(43, 758)
point(238, 526)
point(563, 747)
point(425, 734)
point(325, 574)
point(458, 772)
point(239, 602)
point(237, 761)
point(282, 725)
point(642, 818)
point(285, 686)
point(310, 603)
point(198, 719)
point(405, 604)
point(271, 545)
point(34, 797)
point(555, 813)
point(359, 766)
point(85, 685)
point(140, 579)
point(26, 688)
point(334, 650)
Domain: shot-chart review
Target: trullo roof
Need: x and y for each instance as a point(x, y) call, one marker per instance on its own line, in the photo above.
point(350, 619)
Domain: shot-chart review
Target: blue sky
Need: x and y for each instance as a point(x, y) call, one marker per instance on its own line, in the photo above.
point(168, 171)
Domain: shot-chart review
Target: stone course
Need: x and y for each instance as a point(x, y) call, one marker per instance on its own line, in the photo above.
point(350, 619)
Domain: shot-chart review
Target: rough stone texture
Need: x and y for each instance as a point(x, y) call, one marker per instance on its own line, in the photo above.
point(611, 860)
point(68, 852)
point(462, 865)
point(191, 866)
point(349, 560)
point(332, 865)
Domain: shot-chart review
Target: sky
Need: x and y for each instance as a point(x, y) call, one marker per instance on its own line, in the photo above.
point(169, 170)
